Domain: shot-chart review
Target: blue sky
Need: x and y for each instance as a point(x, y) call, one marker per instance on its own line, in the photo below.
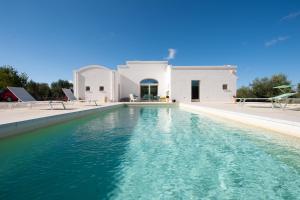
point(49, 39)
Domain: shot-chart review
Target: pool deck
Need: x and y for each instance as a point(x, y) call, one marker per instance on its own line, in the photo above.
point(259, 109)
point(21, 114)
point(20, 119)
point(258, 115)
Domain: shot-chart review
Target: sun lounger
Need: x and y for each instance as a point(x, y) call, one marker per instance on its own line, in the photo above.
point(69, 94)
point(281, 100)
point(24, 96)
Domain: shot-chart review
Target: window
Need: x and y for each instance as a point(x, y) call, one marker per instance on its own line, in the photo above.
point(195, 90)
point(87, 88)
point(148, 81)
point(148, 89)
point(225, 87)
point(101, 88)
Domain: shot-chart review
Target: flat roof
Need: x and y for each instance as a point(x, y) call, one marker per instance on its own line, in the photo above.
point(222, 67)
point(146, 62)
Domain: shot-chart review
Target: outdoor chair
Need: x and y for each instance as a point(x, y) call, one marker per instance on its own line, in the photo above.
point(132, 98)
point(281, 100)
point(69, 94)
point(24, 96)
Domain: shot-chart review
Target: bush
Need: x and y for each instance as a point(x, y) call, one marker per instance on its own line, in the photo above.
point(244, 92)
point(264, 87)
point(56, 88)
point(40, 91)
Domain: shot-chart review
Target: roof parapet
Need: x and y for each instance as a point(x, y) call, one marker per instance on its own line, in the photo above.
point(221, 67)
point(146, 62)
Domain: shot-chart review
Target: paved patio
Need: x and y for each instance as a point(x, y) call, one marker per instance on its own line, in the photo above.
point(24, 112)
point(9, 115)
point(285, 121)
point(292, 113)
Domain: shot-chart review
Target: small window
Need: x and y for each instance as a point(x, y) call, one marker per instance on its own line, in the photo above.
point(225, 86)
point(87, 88)
point(101, 88)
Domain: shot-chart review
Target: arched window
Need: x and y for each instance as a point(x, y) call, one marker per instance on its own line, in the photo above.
point(148, 82)
point(149, 89)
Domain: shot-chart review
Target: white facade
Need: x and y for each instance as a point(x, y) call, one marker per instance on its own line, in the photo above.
point(211, 80)
point(94, 77)
point(154, 79)
point(134, 72)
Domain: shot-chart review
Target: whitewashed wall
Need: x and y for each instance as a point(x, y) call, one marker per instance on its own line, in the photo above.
point(133, 72)
point(115, 86)
point(175, 80)
point(211, 82)
point(94, 76)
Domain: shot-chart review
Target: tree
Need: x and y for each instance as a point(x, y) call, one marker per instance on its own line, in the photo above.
point(277, 80)
point(40, 91)
point(264, 87)
point(56, 88)
point(44, 91)
point(244, 92)
point(9, 76)
point(298, 91)
point(261, 87)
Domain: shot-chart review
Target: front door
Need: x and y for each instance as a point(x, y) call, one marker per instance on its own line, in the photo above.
point(149, 92)
point(195, 90)
point(144, 92)
point(149, 88)
point(153, 92)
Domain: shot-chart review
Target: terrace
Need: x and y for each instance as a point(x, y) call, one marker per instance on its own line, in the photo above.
point(251, 114)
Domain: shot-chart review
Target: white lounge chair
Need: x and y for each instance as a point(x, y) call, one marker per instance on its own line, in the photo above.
point(132, 98)
point(69, 94)
point(24, 96)
point(281, 99)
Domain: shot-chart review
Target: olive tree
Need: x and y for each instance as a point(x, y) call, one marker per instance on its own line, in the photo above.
point(9, 76)
point(56, 88)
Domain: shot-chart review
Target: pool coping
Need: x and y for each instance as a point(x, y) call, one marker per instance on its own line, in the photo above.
point(277, 125)
point(22, 126)
point(146, 103)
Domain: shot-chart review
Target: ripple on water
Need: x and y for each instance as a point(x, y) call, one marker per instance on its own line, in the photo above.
point(149, 153)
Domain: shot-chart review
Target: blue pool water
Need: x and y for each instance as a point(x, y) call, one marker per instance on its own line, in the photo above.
point(149, 153)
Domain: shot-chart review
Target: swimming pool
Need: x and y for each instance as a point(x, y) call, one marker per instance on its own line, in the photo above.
point(149, 153)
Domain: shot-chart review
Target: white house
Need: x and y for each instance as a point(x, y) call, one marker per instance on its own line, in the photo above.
point(153, 80)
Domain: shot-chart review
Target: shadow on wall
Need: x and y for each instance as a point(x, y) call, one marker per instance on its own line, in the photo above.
point(128, 87)
point(81, 88)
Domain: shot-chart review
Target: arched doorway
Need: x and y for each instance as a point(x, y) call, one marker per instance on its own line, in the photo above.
point(149, 89)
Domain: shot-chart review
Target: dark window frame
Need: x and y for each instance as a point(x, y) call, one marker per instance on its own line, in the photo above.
point(101, 88)
point(225, 86)
point(195, 90)
point(87, 88)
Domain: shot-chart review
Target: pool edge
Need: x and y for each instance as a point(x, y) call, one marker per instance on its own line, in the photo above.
point(19, 127)
point(280, 126)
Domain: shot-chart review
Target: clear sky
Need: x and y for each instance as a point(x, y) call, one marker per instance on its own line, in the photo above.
point(48, 39)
